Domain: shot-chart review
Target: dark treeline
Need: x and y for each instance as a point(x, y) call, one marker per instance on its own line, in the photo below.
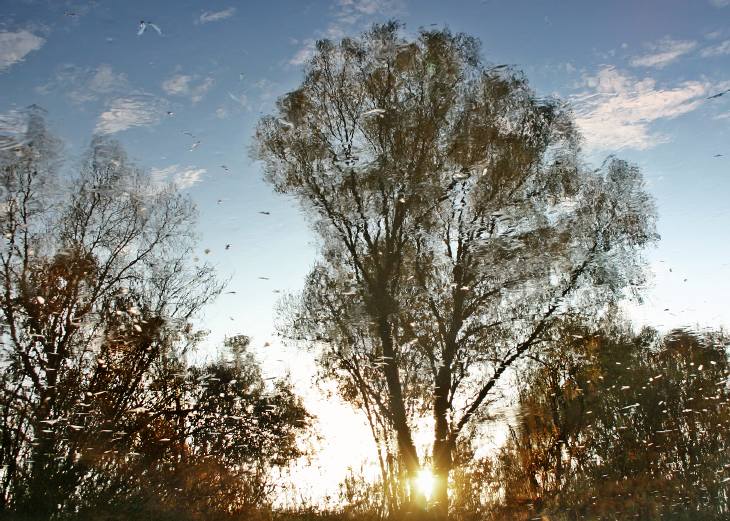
point(470, 271)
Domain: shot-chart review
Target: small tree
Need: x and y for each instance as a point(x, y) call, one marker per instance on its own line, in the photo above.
point(614, 425)
point(98, 289)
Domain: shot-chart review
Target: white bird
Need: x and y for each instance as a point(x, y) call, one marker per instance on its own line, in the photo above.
point(143, 27)
point(241, 100)
point(374, 112)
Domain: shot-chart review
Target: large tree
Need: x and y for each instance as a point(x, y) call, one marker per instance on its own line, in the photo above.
point(457, 222)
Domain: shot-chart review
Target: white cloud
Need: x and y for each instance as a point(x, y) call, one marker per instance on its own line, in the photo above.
point(130, 111)
point(105, 80)
point(184, 85)
point(347, 13)
point(216, 16)
point(303, 54)
point(618, 110)
point(81, 85)
point(177, 85)
point(199, 91)
point(350, 11)
point(716, 50)
point(15, 46)
point(720, 3)
point(181, 177)
point(13, 127)
point(663, 52)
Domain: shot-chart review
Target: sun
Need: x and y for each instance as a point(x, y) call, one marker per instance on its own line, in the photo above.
point(425, 482)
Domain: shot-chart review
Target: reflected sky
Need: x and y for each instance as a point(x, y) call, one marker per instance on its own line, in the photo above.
point(643, 78)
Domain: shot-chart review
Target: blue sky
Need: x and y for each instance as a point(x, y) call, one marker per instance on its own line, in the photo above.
point(185, 103)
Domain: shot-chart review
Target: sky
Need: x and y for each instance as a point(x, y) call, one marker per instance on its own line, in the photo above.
point(184, 101)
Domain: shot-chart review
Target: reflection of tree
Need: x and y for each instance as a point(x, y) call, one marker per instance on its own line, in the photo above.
point(617, 426)
point(457, 223)
point(97, 292)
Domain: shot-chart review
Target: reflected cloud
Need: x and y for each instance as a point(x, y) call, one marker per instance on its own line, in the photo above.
point(14, 46)
point(182, 177)
point(84, 85)
point(663, 52)
point(348, 14)
point(716, 50)
point(185, 85)
point(13, 127)
point(216, 16)
point(617, 111)
point(131, 111)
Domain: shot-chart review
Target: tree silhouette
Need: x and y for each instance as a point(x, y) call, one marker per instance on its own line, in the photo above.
point(457, 223)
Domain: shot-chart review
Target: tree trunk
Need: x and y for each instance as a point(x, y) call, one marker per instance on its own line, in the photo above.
point(442, 444)
point(406, 447)
point(41, 495)
point(39, 500)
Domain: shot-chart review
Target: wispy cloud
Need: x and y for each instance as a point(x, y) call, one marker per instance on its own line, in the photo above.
point(130, 111)
point(720, 49)
point(663, 52)
point(188, 86)
point(216, 16)
point(617, 111)
point(82, 85)
point(14, 46)
point(347, 15)
point(352, 11)
point(720, 3)
point(182, 177)
point(13, 127)
point(303, 54)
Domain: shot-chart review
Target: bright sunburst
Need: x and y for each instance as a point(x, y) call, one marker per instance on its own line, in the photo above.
point(425, 482)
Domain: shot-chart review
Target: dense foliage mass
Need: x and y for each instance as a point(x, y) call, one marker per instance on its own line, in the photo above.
point(621, 426)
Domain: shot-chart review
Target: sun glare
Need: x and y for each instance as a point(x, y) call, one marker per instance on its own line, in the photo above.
point(425, 482)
